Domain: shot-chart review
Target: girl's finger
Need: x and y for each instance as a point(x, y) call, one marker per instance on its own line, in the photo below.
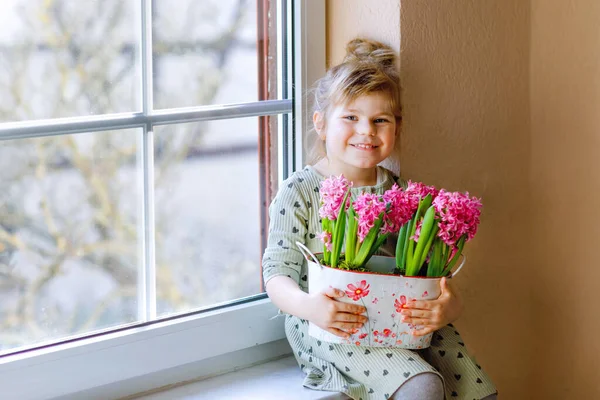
point(347, 317)
point(347, 326)
point(423, 331)
point(416, 321)
point(333, 292)
point(416, 313)
point(421, 304)
point(338, 332)
point(351, 308)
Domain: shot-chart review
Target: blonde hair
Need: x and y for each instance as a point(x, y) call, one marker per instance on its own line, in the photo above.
point(368, 67)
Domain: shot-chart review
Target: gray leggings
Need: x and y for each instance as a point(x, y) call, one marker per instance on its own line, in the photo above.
point(425, 387)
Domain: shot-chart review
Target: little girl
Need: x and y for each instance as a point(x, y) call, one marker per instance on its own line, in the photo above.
point(357, 118)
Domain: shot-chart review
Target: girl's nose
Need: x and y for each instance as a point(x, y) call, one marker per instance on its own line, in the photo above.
point(365, 128)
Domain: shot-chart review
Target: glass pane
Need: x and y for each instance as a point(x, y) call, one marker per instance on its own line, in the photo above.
point(208, 220)
point(68, 235)
point(67, 58)
point(207, 52)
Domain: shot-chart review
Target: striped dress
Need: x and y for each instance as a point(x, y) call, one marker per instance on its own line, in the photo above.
point(367, 373)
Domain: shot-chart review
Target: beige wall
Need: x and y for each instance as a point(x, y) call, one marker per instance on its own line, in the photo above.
point(502, 98)
point(465, 71)
point(346, 19)
point(565, 172)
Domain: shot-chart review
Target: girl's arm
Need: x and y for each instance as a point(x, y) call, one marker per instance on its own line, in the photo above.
point(322, 309)
point(290, 213)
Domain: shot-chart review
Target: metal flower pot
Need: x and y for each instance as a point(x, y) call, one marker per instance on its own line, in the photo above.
point(381, 293)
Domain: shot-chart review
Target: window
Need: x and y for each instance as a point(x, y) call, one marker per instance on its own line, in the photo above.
point(156, 212)
point(140, 144)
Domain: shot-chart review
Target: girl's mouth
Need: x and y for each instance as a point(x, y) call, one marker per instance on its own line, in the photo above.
point(364, 146)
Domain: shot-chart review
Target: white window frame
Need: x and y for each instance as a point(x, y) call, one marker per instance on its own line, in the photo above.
point(115, 364)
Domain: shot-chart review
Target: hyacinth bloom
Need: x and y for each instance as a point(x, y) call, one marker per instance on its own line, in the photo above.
point(442, 223)
point(432, 225)
point(325, 237)
point(457, 219)
point(418, 191)
point(369, 208)
point(333, 190)
point(458, 216)
point(372, 218)
point(334, 194)
point(402, 208)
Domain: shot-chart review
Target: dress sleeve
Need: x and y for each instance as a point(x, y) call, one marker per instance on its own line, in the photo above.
point(288, 223)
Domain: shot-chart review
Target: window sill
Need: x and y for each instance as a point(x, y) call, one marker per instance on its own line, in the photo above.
point(274, 380)
point(116, 358)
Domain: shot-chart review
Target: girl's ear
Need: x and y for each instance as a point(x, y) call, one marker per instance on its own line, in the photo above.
point(319, 124)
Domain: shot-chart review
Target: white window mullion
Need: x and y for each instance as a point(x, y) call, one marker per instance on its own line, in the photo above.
point(308, 39)
point(147, 267)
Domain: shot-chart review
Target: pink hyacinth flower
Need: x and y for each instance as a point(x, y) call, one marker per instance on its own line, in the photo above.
point(333, 190)
point(325, 237)
point(419, 190)
point(400, 211)
point(368, 206)
point(458, 215)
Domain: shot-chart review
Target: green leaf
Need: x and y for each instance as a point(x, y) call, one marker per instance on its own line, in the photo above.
point(368, 242)
point(326, 227)
point(351, 237)
point(460, 245)
point(410, 244)
point(400, 246)
point(338, 232)
point(433, 269)
point(380, 240)
point(424, 204)
point(428, 245)
point(426, 229)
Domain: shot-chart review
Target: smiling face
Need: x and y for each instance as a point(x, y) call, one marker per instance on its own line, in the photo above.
point(358, 135)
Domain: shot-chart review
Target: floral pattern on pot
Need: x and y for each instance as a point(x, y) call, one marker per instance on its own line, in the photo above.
point(388, 336)
point(382, 296)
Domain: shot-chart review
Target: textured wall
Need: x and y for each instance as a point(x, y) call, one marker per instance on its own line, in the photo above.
point(565, 98)
point(346, 19)
point(465, 71)
point(502, 98)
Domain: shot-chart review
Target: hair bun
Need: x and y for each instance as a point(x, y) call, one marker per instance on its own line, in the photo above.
point(365, 50)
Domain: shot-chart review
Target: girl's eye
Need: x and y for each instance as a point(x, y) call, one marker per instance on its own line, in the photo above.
point(381, 120)
point(351, 118)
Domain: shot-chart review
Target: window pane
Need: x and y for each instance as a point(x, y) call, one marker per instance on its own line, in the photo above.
point(207, 52)
point(208, 213)
point(68, 235)
point(68, 58)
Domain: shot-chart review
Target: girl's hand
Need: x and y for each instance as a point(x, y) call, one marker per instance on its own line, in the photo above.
point(433, 314)
point(336, 317)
